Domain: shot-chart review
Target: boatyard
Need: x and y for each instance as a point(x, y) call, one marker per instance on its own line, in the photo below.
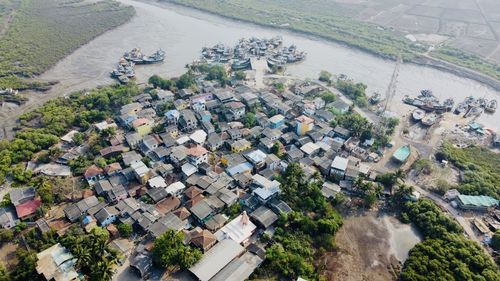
point(239, 57)
point(125, 68)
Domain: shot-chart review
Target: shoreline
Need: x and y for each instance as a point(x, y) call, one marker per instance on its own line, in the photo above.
point(36, 98)
point(419, 59)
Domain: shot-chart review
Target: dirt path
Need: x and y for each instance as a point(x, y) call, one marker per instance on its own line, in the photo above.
point(5, 25)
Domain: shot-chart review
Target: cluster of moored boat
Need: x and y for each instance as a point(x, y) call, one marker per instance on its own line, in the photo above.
point(239, 56)
point(125, 68)
point(474, 107)
point(427, 102)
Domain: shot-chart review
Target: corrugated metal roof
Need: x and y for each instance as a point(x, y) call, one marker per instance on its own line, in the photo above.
point(216, 259)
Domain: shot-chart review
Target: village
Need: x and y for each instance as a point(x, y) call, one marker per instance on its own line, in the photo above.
point(205, 161)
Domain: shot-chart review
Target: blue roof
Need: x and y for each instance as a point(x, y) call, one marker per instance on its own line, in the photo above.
point(87, 220)
point(240, 168)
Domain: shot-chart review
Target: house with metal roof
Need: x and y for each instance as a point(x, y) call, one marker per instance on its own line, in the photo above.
point(239, 269)
point(216, 259)
point(264, 217)
point(56, 263)
point(477, 203)
point(239, 229)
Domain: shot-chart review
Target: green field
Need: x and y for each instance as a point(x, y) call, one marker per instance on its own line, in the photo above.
point(334, 21)
point(41, 33)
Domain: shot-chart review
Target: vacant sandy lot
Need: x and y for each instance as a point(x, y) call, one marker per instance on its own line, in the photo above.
point(368, 249)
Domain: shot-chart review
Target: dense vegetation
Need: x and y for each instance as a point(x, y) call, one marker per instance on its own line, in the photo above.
point(480, 166)
point(41, 128)
point(43, 32)
point(94, 257)
point(355, 91)
point(170, 251)
point(304, 233)
point(445, 254)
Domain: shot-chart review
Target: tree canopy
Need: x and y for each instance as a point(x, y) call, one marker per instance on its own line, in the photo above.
point(170, 251)
point(445, 254)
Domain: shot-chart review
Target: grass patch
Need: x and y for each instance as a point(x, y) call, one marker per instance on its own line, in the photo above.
point(467, 60)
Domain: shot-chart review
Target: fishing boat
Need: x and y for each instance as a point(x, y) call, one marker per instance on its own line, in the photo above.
point(461, 108)
point(491, 106)
point(241, 64)
point(474, 111)
point(401, 154)
point(418, 114)
point(123, 79)
point(448, 104)
point(430, 119)
point(375, 98)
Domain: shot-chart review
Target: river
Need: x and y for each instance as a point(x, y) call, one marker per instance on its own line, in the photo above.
point(182, 32)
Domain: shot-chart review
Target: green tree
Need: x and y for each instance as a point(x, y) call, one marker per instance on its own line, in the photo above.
point(249, 120)
point(186, 81)
point(280, 87)
point(125, 229)
point(325, 76)
point(495, 241)
point(240, 75)
point(78, 138)
point(328, 97)
point(4, 274)
point(170, 251)
point(6, 235)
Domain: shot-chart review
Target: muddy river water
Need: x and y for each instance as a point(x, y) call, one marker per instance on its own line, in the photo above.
point(182, 32)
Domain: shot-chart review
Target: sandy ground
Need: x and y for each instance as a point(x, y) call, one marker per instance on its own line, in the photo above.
point(366, 250)
point(8, 255)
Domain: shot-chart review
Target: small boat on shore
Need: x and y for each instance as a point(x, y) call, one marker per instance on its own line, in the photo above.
point(418, 114)
point(241, 64)
point(461, 108)
point(123, 79)
point(474, 111)
point(491, 106)
point(430, 119)
point(375, 98)
point(448, 104)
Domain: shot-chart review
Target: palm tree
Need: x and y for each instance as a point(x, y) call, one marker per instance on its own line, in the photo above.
point(82, 255)
point(104, 270)
point(399, 175)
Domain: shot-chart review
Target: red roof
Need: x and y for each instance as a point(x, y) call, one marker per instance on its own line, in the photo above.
point(28, 208)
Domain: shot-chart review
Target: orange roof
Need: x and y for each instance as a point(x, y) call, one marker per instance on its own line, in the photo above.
point(304, 119)
point(28, 208)
point(112, 167)
point(182, 213)
point(196, 150)
point(203, 238)
point(192, 192)
point(92, 171)
point(139, 122)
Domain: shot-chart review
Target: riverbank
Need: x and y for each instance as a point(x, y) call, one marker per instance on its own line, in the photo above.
point(53, 30)
point(408, 53)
